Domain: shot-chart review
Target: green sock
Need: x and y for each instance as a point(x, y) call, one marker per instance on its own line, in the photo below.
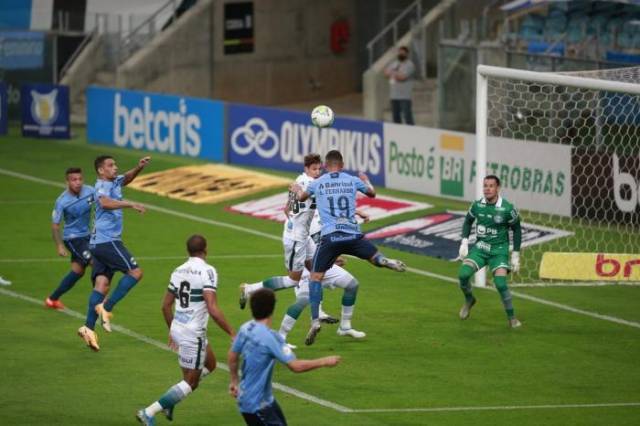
point(464, 275)
point(505, 294)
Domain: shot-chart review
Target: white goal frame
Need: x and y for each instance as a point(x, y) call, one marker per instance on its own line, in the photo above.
point(484, 72)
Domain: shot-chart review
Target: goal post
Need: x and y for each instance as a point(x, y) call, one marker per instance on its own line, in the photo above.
point(567, 150)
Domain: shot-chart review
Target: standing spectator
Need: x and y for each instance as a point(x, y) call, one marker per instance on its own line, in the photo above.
point(400, 74)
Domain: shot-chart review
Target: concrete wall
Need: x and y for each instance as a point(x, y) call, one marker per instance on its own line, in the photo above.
point(292, 60)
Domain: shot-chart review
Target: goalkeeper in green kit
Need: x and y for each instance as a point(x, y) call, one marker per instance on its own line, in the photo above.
point(494, 216)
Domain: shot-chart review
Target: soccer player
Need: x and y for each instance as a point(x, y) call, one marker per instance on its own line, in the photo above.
point(335, 195)
point(192, 289)
point(108, 253)
point(298, 246)
point(74, 207)
point(259, 346)
point(494, 216)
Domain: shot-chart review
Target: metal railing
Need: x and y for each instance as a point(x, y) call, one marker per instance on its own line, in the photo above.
point(143, 33)
point(77, 53)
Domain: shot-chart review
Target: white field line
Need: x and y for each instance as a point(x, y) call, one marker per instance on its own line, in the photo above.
point(163, 346)
point(495, 408)
point(146, 258)
point(273, 237)
point(578, 284)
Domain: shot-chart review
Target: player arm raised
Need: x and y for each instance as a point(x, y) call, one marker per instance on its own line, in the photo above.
point(211, 299)
point(131, 174)
point(302, 365)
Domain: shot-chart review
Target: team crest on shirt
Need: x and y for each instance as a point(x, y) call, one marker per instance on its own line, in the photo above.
point(133, 261)
point(498, 219)
point(44, 108)
point(286, 350)
point(86, 254)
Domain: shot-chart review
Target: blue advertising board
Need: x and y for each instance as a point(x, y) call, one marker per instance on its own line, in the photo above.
point(279, 139)
point(158, 123)
point(45, 111)
point(4, 110)
point(21, 50)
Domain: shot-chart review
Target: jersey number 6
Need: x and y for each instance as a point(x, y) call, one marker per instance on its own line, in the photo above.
point(184, 294)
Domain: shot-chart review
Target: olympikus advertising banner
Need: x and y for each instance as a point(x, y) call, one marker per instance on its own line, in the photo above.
point(4, 120)
point(45, 111)
point(157, 123)
point(535, 176)
point(438, 235)
point(21, 50)
point(279, 139)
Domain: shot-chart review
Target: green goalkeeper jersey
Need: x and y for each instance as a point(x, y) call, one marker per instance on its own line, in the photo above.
point(493, 222)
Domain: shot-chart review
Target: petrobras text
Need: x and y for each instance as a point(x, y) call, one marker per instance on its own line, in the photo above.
point(279, 139)
point(159, 123)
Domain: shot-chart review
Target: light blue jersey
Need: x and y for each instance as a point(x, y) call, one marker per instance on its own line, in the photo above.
point(336, 201)
point(259, 347)
point(75, 210)
point(108, 223)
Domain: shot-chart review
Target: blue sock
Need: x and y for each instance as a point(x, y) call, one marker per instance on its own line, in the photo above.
point(94, 299)
point(125, 284)
point(315, 297)
point(377, 259)
point(65, 285)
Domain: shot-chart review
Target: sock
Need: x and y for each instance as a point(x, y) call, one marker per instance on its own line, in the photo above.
point(94, 299)
point(315, 298)
point(205, 372)
point(505, 295)
point(253, 287)
point(287, 325)
point(345, 319)
point(65, 285)
point(175, 394)
point(377, 260)
point(125, 284)
point(279, 283)
point(464, 275)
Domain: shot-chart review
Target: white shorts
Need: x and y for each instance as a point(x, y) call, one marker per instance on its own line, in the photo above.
point(192, 350)
point(335, 277)
point(296, 253)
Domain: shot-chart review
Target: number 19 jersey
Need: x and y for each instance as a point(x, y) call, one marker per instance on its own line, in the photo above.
point(188, 283)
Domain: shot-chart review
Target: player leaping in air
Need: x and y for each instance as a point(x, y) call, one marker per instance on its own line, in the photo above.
point(335, 195)
point(73, 207)
point(108, 253)
point(494, 216)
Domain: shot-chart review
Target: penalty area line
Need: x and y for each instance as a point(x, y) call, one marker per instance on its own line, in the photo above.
point(495, 408)
point(160, 345)
point(276, 238)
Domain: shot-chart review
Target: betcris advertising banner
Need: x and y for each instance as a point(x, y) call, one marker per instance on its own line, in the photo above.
point(158, 123)
point(279, 139)
point(3, 109)
point(535, 176)
point(45, 111)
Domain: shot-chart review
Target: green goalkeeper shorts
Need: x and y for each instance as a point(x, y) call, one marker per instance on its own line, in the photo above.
point(495, 258)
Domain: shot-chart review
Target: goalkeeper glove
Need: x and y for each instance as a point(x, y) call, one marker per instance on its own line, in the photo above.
point(515, 261)
point(464, 248)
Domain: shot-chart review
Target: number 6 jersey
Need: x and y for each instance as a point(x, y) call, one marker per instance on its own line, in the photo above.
point(188, 283)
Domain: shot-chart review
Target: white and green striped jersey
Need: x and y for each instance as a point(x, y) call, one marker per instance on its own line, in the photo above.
point(188, 283)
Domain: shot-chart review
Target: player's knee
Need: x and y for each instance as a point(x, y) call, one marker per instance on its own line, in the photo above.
point(353, 284)
point(136, 273)
point(465, 272)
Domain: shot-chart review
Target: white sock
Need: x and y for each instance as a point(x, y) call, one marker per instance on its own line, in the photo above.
point(253, 287)
point(286, 326)
point(153, 409)
point(322, 313)
point(345, 319)
point(205, 372)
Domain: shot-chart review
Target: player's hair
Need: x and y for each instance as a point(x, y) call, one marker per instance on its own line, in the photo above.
point(311, 159)
point(333, 157)
point(263, 302)
point(405, 48)
point(99, 161)
point(196, 244)
point(494, 177)
point(72, 170)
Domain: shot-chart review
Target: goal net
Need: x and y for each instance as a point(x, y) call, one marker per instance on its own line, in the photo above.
point(575, 140)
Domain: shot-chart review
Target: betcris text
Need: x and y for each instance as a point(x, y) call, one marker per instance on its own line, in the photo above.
point(275, 138)
point(159, 123)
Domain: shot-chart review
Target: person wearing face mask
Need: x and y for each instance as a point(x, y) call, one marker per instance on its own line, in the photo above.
point(400, 74)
